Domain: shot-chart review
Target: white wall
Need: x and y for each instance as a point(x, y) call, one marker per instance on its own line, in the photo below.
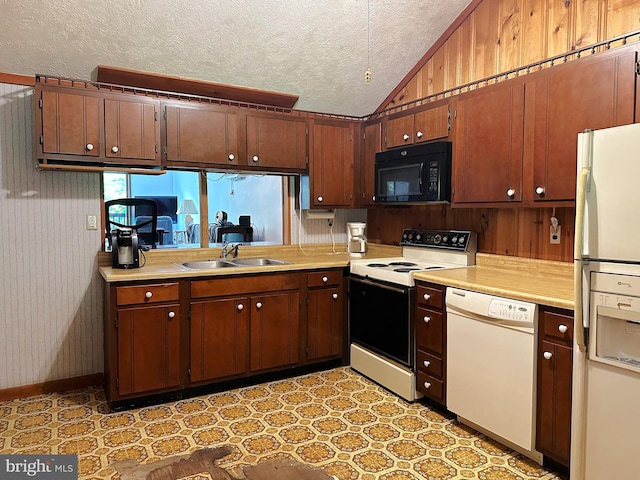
point(50, 289)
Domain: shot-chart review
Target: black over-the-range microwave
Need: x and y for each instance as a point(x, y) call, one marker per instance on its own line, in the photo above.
point(414, 174)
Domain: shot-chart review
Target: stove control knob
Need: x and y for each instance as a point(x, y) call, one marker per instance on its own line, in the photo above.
point(461, 239)
point(445, 239)
point(437, 239)
point(418, 237)
point(454, 240)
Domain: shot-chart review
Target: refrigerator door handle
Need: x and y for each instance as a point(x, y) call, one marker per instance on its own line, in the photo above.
point(581, 189)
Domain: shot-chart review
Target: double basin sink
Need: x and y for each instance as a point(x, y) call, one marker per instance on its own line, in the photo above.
point(230, 263)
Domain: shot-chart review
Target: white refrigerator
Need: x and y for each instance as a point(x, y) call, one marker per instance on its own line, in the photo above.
point(605, 434)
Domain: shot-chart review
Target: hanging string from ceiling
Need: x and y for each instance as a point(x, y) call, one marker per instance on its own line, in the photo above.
point(367, 73)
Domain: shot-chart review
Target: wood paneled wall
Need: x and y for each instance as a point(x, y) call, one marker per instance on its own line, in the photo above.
point(496, 36)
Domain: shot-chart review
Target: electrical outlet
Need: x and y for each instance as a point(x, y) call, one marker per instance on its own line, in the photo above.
point(92, 221)
point(554, 234)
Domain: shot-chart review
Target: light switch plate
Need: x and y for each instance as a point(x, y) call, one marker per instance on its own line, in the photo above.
point(554, 234)
point(92, 221)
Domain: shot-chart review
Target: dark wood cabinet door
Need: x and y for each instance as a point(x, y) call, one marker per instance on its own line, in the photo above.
point(148, 349)
point(201, 134)
point(431, 124)
point(591, 93)
point(488, 151)
point(277, 143)
point(275, 324)
point(332, 165)
point(400, 131)
point(131, 130)
point(219, 336)
point(324, 323)
point(372, 144)
point(70, 123)
point(430, 331)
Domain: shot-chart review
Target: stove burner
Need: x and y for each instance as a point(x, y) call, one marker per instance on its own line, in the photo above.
point(403, 264)
point(377, 265)
point(405, 270)
point(432, 268)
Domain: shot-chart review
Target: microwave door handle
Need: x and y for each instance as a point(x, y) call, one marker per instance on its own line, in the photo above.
point(420, 176)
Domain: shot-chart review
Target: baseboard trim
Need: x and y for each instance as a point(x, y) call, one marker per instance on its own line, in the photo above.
point(52, 386)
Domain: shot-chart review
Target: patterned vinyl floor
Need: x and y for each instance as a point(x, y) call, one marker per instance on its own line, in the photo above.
point(335, 419)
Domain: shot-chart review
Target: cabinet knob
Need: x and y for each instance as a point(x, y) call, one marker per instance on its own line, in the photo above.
point(373, 198)
point(240, 307)
point(419, 134)
point(335, 296)
point(426, 319)
point(172, 314)
point(148, 294)
point(89, 147)
point(562, 328)
point(320, 199)
point(540, 191)
point(547, 355)
point(259, 305)
point(405, 137)
point(255, 158)
point(426, 363)
point(511, 193)
point(426, 296)
point(115, 149)
point(231, 157)
point(325, 279)
point(427, 385)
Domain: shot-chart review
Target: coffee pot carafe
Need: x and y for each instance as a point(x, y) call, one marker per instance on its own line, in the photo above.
point(356, 240)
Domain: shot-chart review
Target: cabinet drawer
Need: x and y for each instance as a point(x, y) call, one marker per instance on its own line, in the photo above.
point(429, 330)
point(429, 364)
point(557, 326)
point(242, 285)
point(430, 296)
point(322, 278)
point(163, 292)
point(431, 387)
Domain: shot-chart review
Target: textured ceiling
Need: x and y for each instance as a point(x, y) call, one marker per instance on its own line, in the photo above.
point(316, 49)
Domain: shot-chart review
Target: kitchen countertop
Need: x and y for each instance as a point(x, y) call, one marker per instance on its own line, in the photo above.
point(538, 281)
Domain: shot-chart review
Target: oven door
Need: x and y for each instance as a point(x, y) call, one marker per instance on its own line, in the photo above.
point(381, 320)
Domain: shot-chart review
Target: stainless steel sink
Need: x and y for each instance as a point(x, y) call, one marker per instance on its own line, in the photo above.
point(246, 262)
point(208, 264)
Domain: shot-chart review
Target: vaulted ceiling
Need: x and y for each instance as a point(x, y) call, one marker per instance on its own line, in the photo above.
point(317, 49)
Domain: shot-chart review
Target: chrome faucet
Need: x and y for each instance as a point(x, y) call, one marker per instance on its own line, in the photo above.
point(226, 250)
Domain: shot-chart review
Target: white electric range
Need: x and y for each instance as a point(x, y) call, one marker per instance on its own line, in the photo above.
point(381, 305)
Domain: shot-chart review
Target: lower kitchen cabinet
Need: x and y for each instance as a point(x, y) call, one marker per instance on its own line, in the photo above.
point(325, 308)
point(430, 321)
point(555, 365)
point(142, 340)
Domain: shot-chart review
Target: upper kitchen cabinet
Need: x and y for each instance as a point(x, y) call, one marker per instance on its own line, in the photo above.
point(85, 126)
point(590, 93)
point(67, 123)
point(276, 143)
point(200, 135)
point(421, 125)
point(371, 144)
point(332, 164)
point(488, 147)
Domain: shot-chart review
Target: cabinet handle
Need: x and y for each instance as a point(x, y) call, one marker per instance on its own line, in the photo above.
point(419, 134)
point(320, 199)
point(115, 149)
point(172, 314)
point(325, 279)
point(148, 294)
point(426, 319)
point(562, 328)
point(405, 137)
point(426, 296)
point(426, 363)
point(335, 296)
point(89, 147)
point(255, 158)
point(540, 191)
point(240, 307)
point(427, 385)
point(547, 355)
point(511, 193)
point(259, 305)
point(231, 157)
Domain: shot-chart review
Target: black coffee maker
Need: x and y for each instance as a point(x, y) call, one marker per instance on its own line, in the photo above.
point(125, 241)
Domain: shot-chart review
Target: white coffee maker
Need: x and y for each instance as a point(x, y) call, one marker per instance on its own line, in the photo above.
point(356, 242)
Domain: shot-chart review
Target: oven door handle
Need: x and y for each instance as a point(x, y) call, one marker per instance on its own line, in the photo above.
point(381, 285)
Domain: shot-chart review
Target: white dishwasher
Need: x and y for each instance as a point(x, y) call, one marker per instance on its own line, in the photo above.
point(491, 368)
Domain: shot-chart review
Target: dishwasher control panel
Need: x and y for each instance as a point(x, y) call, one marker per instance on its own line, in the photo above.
point(511, 310)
